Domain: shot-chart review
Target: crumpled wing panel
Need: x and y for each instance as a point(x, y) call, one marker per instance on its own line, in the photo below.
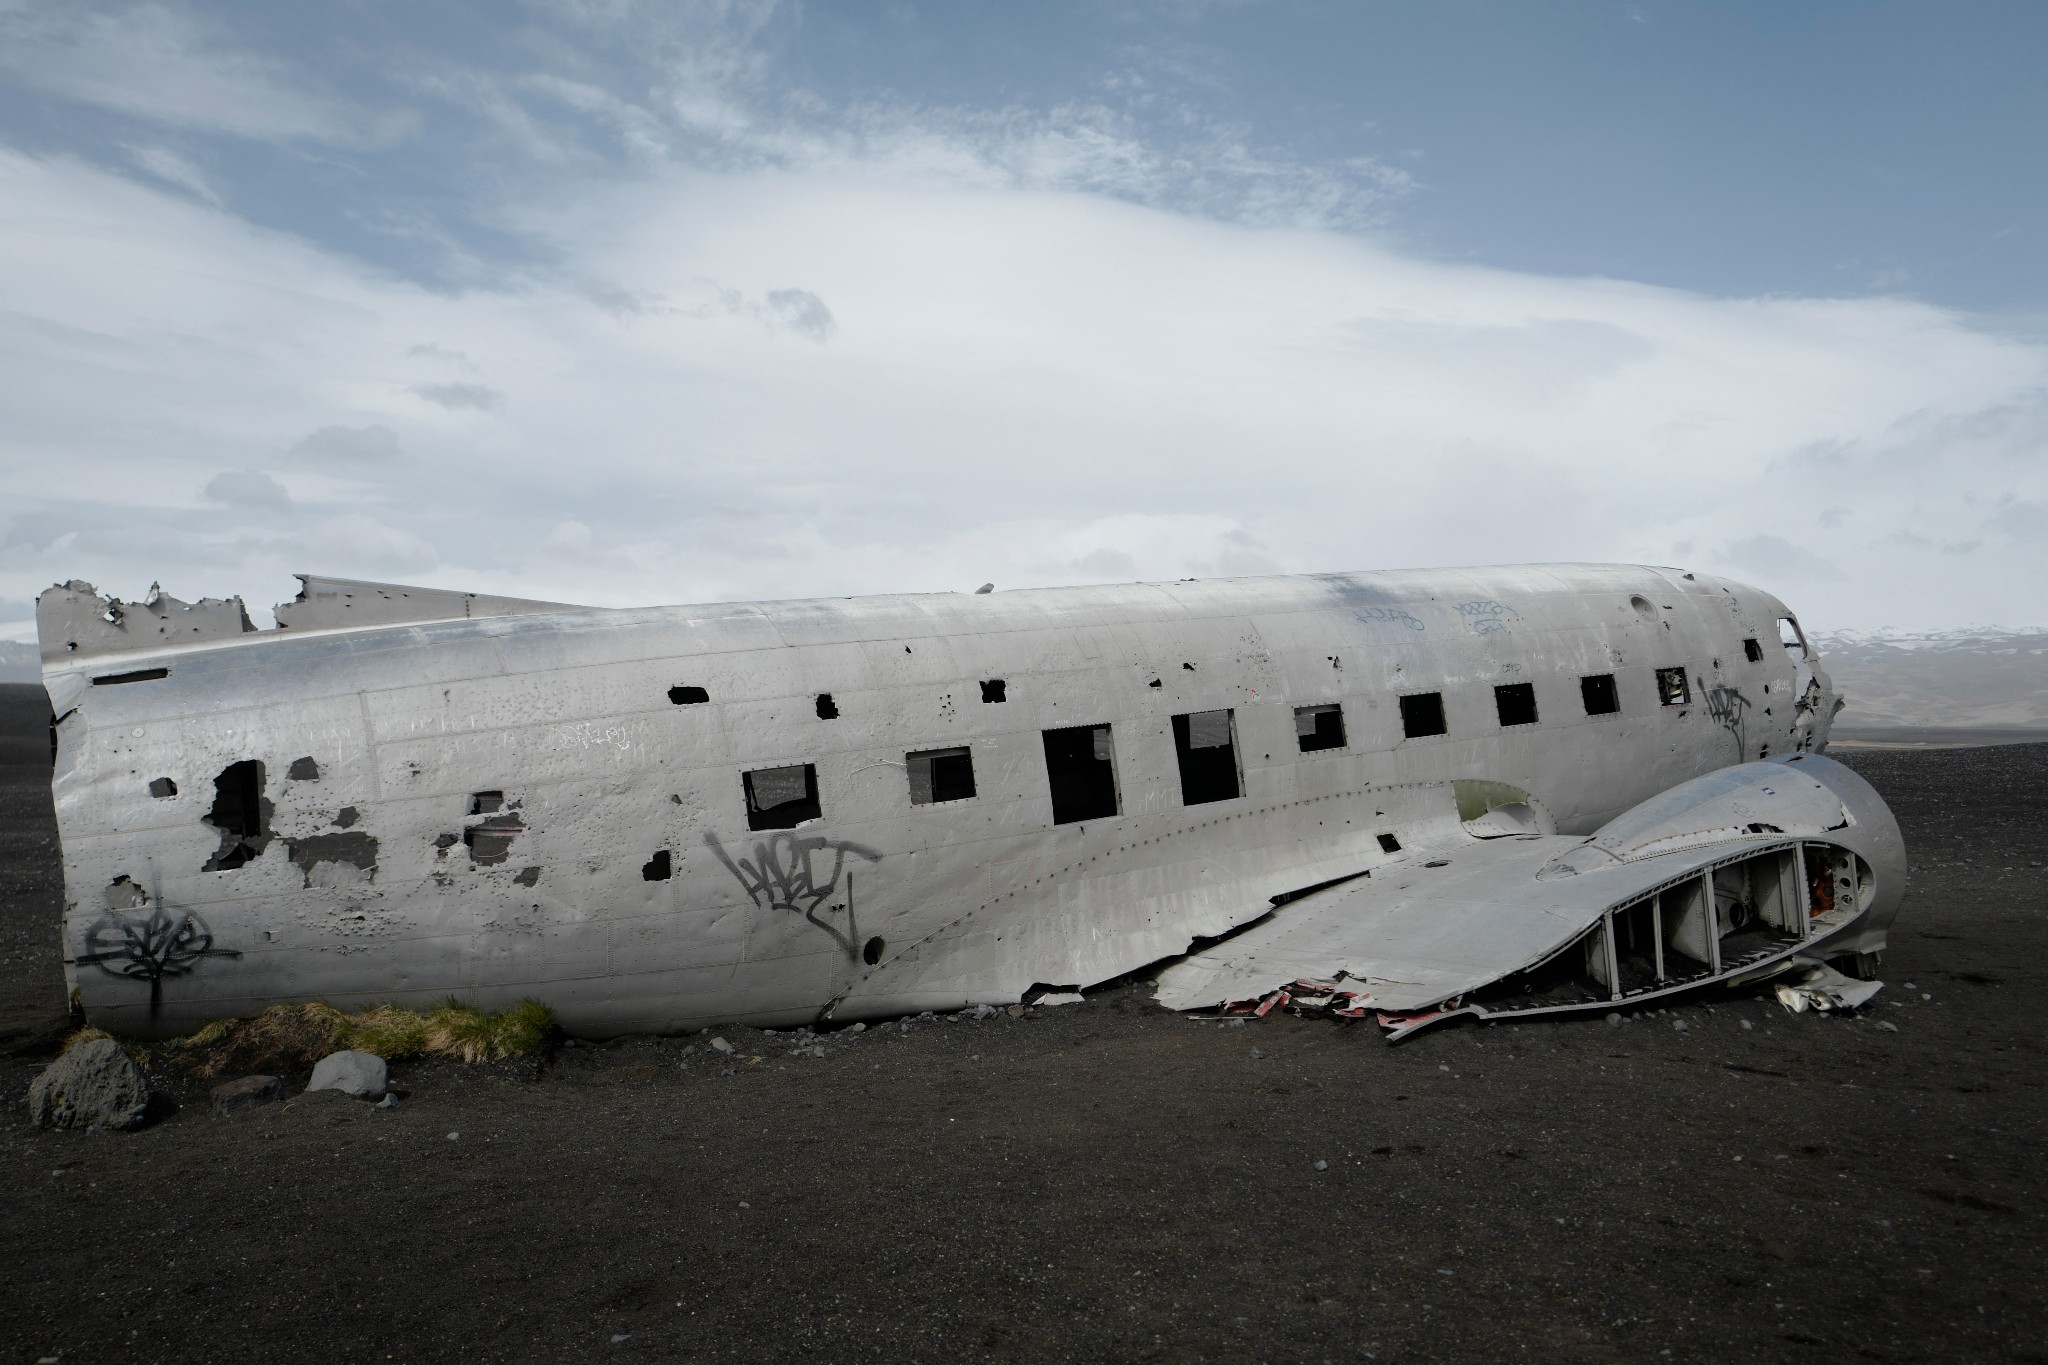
point(1463, 914)
point(1413, 935)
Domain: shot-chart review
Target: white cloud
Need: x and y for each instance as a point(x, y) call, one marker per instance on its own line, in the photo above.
point(373, 444)
point(250, 488)
point(460, 397)
point(176, 169)
point(161, 65)
point(1025, 386)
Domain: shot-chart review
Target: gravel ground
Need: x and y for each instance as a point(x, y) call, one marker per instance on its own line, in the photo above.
point(1104, 1181)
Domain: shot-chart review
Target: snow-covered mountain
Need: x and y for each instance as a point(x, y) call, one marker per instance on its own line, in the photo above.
point(1964, 675)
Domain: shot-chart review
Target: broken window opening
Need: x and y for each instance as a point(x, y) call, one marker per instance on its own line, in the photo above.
point(939, 775)
point(659, 868)
point(1672, 688)
point(486, 803)
point(1389, 844)
point(1319, 727)
point(1601, 696)
point(1752, 651)
point(139, 675)
point(781, 798)
point(992, 690)
point(1516, 703)
point(1205, 743)
point(490, 840)
point(240, 814)
point(162, 787)
point(1080, 764)
point(688, 696)
point(1422, 715)
point(827, 708)
point(1793, 639)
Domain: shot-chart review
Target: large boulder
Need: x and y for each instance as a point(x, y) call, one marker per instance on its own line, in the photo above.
point(247, 1093)
point(93, 1085)
point(360, 1074)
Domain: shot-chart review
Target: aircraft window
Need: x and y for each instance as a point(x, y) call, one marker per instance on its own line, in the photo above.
point(1599, 692)
point(1319, 727)
point(781, 798)
point(1422, 713)
point(938, 775)
point(1672, 688)
point(1752, 651)
point(688, 696)
point(992, 690)
point(1389, 844)
point(1794, 639)
point(1516, 703)
point(1081, 764)
point(827, 708)
point(1204, 744)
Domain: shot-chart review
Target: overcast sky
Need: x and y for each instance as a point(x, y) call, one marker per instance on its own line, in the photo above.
point(616, 303)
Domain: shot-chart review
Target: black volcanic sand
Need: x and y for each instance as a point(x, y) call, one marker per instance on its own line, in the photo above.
point(1107, 1181)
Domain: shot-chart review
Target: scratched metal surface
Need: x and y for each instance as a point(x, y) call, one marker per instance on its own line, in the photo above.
point(567, 714)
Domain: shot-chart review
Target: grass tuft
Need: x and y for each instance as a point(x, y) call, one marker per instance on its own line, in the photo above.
point(459, 1030)
point(391, 1031)
point(293, 1037)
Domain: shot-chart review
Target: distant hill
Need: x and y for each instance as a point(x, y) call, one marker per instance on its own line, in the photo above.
point(1970, 675)
point(20, 663)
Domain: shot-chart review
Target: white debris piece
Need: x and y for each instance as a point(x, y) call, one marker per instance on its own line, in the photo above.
point(1824, 988)
point(1060, 998)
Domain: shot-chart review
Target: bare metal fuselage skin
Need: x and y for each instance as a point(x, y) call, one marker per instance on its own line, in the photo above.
point(481, 806)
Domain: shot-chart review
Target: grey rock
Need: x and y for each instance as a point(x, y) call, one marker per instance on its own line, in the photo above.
point(721, 1045)
point(1888, 1026)
point(246, 1093)
point(1614, 1021)
point(93, 1085)
point(361, 1074)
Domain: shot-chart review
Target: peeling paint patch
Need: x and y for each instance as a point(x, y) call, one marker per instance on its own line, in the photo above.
point(303, 770)
point(335, 859)
point(162, 788)
point(346, 817)
point(528, 876)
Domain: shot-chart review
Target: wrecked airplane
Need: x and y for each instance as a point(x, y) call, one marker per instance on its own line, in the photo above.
point(1404, 795)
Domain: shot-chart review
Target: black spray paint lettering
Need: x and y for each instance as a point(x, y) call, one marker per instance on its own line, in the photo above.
point(1486, 616)
point(784, 873)
point(1729, 709)
point(150, 948)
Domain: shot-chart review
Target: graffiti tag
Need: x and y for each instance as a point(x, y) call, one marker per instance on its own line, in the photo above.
point(1728, 707)
point(1486, 616)
point(150, 947)
point(799, 874)
point(1373, 616)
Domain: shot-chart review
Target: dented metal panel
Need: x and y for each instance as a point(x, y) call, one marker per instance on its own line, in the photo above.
point(454, 793)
